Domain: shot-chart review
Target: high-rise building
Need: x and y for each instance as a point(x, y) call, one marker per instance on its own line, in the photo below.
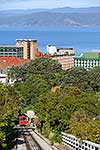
point(29, 47)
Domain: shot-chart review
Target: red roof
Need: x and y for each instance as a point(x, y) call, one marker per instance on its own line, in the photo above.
point(9, 61)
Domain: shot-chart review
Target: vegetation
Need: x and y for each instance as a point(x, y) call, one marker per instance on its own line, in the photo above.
point(9, 106)
point(66, 101)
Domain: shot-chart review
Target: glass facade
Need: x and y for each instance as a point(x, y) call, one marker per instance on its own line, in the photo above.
point(11, 51)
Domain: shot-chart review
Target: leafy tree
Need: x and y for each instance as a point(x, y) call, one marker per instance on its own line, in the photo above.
point(56, 108)
point(85, 128)
point(63, 100)
point(9, 107)
point(31, 89)
point(43, 66)
point(94, 78)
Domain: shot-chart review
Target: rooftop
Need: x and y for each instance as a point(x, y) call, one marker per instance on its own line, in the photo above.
point(91, 54)
point(7, 45)
point(9, 61)
point(34, 40)
point(83, 58)
point(65, 48)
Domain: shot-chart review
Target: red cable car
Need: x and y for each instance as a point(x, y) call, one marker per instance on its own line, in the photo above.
point(23, 119)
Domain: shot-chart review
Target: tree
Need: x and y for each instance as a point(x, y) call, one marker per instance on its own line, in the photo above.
point(94, 78)
point(57, 108)
point(61, 99)
point(9, 107)
point(31, 89)
point(43, 66)
point(85, 128)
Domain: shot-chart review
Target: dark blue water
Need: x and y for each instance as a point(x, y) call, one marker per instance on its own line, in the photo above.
point(80, 38)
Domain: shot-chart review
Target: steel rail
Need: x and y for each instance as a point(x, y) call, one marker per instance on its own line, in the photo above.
point(31, 143)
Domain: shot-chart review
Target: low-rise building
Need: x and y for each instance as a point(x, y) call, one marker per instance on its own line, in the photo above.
point(53, 50)
point(88, 59)
point(7, 62)
point(3, 78)
point(65, 56)
point(11, 50)
point(67, 62)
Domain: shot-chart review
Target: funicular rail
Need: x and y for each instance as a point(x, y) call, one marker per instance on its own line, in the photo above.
point(30, 142)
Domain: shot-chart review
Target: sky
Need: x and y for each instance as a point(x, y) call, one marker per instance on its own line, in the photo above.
point(33, 4)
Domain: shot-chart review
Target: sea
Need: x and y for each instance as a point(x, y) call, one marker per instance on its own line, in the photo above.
point(80, 38)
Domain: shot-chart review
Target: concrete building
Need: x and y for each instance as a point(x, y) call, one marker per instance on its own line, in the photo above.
point(88, 59)
point(11, 50)
point(14, 55)
point(65, 56)
point(24, 48)
point(29, 47)
point(67, 62)
point(53, 50)
point(65, 51)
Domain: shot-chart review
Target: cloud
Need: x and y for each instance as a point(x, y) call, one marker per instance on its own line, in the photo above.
point(24, 4)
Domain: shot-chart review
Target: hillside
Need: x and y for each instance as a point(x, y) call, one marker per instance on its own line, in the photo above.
point(60, 17)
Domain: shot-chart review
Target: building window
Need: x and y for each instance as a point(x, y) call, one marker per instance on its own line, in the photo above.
point(1, 71)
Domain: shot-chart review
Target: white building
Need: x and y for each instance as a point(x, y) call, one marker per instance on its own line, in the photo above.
point(51, 49)
point(3, 78)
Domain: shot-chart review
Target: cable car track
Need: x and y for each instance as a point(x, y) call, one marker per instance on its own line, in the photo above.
point(30, 142)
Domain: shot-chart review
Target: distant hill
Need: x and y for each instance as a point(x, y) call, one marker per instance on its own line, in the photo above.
point(59, 10)
point(77, 10)
point(58, 17)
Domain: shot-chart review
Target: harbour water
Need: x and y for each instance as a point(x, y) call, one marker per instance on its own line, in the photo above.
point(80, 38)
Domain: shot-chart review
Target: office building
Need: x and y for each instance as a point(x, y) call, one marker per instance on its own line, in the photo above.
point(65, 56)
point(29, 47)
point(11, 50)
